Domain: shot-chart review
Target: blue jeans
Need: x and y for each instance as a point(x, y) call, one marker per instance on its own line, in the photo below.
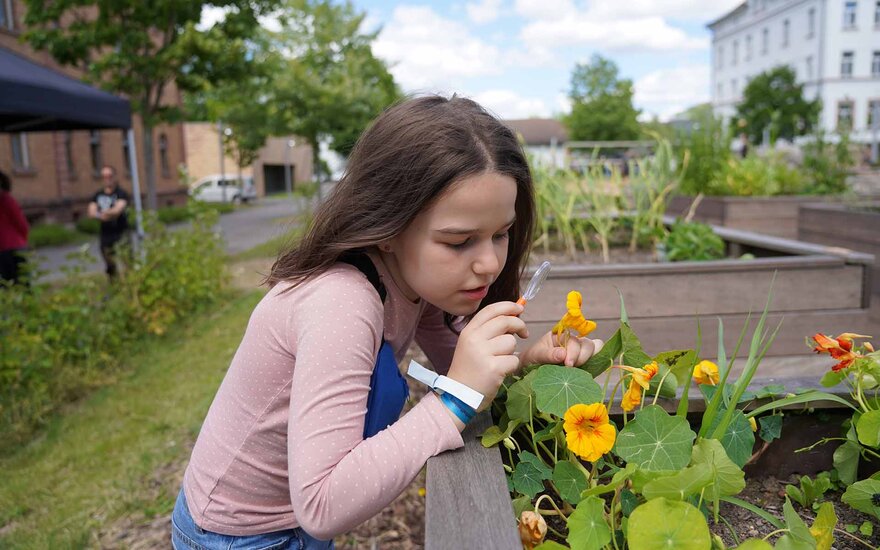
point(186, 535)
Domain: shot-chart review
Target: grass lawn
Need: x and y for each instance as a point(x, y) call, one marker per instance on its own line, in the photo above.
point(97, 462)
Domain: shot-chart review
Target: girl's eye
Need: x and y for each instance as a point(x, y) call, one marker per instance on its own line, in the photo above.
point(502, 236)
point(459, 246)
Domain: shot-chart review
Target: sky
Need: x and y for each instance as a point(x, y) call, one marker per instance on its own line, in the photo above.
point(516, 57)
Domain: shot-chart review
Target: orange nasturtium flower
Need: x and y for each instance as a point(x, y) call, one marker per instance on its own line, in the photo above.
point(640, 380)
point(532, 529)
point(574, 318)
point(706, 372)
point(588, 431)
point(839, 348)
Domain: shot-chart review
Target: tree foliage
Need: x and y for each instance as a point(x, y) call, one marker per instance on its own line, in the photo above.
point(145, 49)
point(774, 100)
point(601, 103)
point(331, 85)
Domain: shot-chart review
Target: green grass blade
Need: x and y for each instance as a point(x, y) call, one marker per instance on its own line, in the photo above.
point(766, 516)
point(813, 395)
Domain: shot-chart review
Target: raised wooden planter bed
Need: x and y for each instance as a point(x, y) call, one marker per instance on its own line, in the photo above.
point(777, 216)
point(841, 225)
point(818, 288)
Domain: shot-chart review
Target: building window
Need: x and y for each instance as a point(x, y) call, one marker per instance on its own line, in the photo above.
point(720, 57)
point(877, 14)
point(873, 108)
point(95, 149)
point(748, 47)
point(735, 53)
point(809, 67)
point(849, 14)
point(68, 154)
point(811, 22)
point(875, 64)
point(844, 115)
point(163, 156)
point(765, 38)
point(21, 157)
point(786, 27)
point(7, 18)
point(846, 65)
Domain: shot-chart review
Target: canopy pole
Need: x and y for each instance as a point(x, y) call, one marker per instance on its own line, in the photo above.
point(136, 191)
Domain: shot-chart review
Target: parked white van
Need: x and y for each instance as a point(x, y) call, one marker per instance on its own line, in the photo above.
point(211, 189)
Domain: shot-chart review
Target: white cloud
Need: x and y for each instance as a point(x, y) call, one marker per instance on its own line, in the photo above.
point(426, 50)
point(667, 92)
point(635, 33)
point(544, 9)
point(695, 10)
point(510, 105)
point(484, 11)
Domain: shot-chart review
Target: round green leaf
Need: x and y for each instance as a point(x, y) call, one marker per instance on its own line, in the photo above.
point(519, 399)
point(729, 479)
point(656, 441)
point(662, 524)
point(864, 496)
point(739, 439)
point(681, 485)
point(868, 429)
point(527, 479)
point(754, 544)
point(570, 481)
point(770, 427)
point(558, 388)
point(587, 529)
point(846, 461)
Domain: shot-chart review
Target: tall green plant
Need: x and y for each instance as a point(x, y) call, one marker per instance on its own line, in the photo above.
point(708, 145)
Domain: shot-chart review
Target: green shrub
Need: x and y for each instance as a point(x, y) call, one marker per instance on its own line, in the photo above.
point(89, 226)
point(50, 234)
point(305, 189)
point(709, 146)
point(173, 214)
point(59, 342)
point(826, 165)
point(692, 241)
point(756, 176)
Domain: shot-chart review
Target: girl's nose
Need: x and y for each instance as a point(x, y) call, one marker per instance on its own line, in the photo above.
point(487, 260)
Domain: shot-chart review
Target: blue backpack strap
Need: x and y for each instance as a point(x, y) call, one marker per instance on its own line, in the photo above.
point(388, 389)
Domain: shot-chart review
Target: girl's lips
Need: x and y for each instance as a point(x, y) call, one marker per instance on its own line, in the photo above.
point(477, 293)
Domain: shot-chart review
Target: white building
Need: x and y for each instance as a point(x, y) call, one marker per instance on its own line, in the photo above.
point(832, 45)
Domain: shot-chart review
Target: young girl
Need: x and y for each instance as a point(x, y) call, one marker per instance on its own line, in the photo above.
point(426, 233)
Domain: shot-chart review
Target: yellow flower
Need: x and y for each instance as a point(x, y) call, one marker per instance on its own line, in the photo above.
point(753, 424)
point(532, 529)
point(574, 318)
point(588, 431)
point(706, 372)
point(640, 380)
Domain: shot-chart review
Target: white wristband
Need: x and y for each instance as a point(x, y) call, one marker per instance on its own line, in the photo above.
point(469, 396)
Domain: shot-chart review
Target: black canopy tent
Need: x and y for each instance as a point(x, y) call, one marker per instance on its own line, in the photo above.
point(34, 98)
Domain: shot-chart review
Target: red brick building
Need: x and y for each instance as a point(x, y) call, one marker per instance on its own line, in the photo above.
point(54, 174)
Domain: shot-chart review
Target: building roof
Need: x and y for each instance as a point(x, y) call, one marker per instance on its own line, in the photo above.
point(737, 10)
point(539, 131)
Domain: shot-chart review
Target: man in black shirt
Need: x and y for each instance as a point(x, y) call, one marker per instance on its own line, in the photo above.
point(108, 205)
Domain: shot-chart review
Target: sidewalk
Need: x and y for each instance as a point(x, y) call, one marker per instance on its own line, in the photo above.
point(241, 230)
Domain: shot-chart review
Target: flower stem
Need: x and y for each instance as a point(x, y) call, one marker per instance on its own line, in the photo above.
point(553, 504)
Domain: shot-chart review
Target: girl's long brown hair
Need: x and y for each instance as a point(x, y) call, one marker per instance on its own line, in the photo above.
point(402, 163)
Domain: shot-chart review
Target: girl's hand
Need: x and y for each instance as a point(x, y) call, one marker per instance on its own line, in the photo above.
point(484, 355)
point(576, 352)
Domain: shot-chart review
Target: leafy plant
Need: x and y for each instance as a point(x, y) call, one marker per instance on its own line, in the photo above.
point(623, 484)
point(826, 165)
point(692, 241)
point(756, 176)
point(708, 147)
point(809, 491)
point(50, 234)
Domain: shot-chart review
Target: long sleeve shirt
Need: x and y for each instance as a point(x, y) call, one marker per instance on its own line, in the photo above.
point(282, 445)
point(13, 225)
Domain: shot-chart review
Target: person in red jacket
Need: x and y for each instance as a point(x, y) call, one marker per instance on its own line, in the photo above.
point(13, 233)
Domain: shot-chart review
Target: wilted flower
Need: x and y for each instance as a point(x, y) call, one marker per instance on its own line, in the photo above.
point(706, 372)
point(588, 432)
point(839, 348)
point(753, 424)
point(640, 380)
point(532, 529)
point(574, 318)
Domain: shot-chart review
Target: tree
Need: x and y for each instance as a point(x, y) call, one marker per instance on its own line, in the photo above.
point(601, 103)
point(144, 49)
point(332, 85)
point(773, 100)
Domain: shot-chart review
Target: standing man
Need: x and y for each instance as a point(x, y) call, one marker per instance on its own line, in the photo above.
point(13, 234)
point(108, 205)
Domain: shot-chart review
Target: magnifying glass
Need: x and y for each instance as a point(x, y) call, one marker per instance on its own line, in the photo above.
point(535, 284)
